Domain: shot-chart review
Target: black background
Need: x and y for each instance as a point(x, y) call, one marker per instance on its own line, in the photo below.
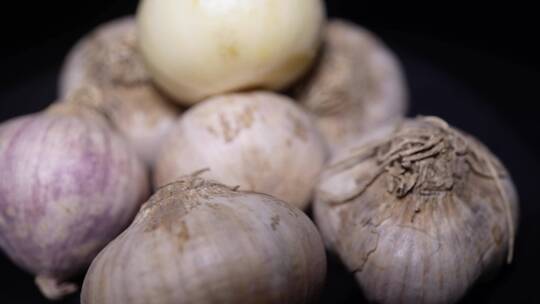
point(477, 67)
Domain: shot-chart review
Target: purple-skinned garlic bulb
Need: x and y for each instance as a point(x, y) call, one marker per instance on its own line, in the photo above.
point(68, 186)
point(108, 58)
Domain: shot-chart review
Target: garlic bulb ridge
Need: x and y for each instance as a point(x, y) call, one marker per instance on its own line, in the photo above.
point(419, 215)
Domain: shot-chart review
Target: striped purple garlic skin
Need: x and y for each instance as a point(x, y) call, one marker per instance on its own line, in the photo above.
point(68, 186)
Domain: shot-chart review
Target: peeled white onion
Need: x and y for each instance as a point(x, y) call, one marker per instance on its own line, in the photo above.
point(198, 48)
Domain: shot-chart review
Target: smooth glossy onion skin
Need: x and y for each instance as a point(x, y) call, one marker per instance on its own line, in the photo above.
point(108, 59)
point(196, 241)
point(197, 49)
point(68, 186)
point(259, 141)
point(419, 216)
point(356, 85)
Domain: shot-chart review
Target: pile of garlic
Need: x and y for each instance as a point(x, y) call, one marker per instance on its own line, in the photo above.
point(402, 202)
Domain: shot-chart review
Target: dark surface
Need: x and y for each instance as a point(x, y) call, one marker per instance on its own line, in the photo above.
point(479, 74)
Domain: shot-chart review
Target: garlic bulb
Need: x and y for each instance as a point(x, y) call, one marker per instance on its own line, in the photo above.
point(356, 85)
point(196, 49)
point(197, 241)
point(68, 185)
point(418, 216)
point(259, 141)
point(108, 59)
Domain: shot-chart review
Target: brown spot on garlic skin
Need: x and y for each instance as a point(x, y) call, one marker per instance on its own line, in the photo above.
point(183, 233)
point(298, 127)
point(440, 208)
point(288, 142)
point(228, 133)
point(497, 235)
point(275, 222)
point(246, 117)
point(212, 130)
point(166, 213)
point(233, 125)
point(175, 200)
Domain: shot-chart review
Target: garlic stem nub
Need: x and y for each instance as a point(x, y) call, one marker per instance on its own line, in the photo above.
point(53, 289)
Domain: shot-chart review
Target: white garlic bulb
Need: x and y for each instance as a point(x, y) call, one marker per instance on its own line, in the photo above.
point(419, 216)
point(199, 48)
point(356, 85)
point(197, 241)
point(259, 141)
point(109, 60)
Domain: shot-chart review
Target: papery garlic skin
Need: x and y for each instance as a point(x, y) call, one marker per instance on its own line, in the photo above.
point(108, 59)
point(197, 241)
point(418, 216)
point(356, 85)
point(259, 141)
point(105, 57)
point(68, 185)
point(196, 49)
